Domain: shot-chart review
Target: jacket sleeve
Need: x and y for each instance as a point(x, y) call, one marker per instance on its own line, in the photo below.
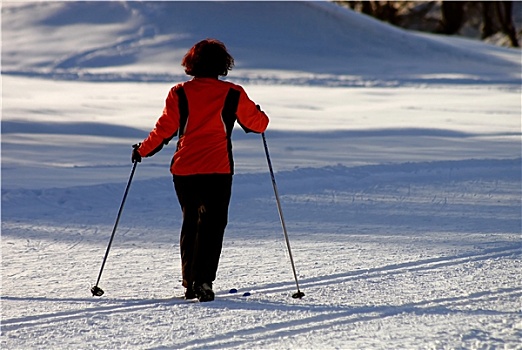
point(166, 127)
point(249, 116)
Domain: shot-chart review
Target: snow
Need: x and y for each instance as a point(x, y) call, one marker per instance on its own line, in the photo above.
point(397, 159)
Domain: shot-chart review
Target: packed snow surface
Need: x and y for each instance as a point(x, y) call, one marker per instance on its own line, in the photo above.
point(397, 156)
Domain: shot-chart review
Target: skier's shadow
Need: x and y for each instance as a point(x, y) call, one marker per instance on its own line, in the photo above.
point(101, 307)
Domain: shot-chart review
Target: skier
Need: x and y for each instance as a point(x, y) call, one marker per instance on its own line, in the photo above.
point(202, 112)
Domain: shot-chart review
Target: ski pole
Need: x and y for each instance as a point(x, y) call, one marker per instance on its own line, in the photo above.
point(97, 291)
point(298, 294)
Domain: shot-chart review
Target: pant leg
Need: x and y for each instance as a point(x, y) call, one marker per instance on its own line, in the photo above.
point(204, 200)
point(213, 219)
point(188, 197)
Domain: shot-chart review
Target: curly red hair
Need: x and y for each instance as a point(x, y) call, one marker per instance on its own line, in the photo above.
point(208, 58)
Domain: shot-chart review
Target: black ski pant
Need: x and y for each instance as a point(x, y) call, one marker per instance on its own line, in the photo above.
point(204, 201)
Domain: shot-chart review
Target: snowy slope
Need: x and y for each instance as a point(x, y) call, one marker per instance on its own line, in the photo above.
point(311, 41)
point(397, 156)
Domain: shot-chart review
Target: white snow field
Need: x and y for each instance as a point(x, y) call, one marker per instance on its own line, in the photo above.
point(397, 156)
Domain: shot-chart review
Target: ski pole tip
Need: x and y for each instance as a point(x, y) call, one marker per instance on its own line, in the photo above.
point(298, 295)
point(97, 291)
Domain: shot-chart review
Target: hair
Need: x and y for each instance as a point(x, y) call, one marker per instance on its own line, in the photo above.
point(208, 58)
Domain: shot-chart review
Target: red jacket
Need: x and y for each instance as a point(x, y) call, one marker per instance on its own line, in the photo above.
point(203, 112)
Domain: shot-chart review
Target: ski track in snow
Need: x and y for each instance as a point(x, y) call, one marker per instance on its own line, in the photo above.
point(359, 306)
point(364, 278)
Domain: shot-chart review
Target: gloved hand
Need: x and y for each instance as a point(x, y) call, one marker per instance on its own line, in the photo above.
point(136, 157)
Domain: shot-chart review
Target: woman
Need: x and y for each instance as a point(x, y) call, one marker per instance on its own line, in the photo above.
point(202, 112)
